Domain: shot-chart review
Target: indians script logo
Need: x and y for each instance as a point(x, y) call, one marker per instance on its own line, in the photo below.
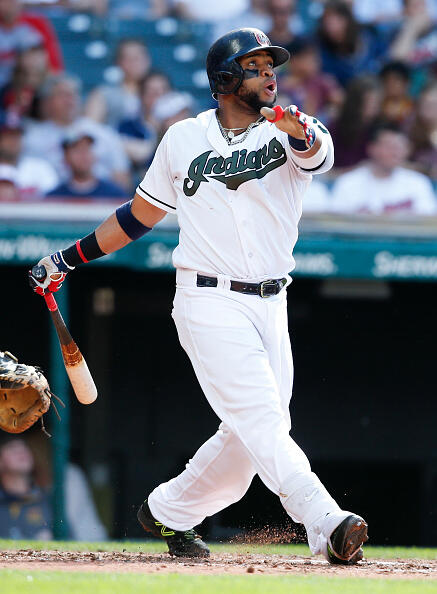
point(233, 171)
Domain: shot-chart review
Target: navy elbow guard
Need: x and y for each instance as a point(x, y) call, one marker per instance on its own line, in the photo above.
point(133, 228)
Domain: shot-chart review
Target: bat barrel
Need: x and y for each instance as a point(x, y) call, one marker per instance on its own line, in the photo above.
point(82, 381)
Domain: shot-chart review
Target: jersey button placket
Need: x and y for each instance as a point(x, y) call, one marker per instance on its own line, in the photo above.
point(242, 216)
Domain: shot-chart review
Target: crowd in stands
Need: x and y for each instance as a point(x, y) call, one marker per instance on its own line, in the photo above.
point(26, 494)
point(366, 68)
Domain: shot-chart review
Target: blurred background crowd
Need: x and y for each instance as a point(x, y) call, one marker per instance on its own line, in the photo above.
point(88, 88)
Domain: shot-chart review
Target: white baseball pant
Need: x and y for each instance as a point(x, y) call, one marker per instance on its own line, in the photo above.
point(240, 350)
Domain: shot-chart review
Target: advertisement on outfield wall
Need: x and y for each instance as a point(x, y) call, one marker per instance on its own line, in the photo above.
point(316, 257)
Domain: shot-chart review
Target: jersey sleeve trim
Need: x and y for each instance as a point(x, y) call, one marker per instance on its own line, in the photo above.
point(155, 201)
point(313, 168)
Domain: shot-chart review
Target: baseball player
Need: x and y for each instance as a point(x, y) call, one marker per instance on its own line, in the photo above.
point(236, 181)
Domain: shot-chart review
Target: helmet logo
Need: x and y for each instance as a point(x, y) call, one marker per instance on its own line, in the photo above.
point(262, 38)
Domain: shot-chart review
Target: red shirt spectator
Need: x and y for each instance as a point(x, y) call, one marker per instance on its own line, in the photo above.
point(21, 30)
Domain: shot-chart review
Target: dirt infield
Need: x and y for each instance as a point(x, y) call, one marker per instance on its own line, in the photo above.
point(219, 563)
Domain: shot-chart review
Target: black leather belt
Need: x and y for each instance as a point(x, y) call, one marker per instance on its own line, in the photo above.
point(265, 289)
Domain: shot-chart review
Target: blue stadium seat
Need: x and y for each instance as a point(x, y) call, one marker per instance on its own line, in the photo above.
point(177, 47)
point(79, 26)
point(87, 59)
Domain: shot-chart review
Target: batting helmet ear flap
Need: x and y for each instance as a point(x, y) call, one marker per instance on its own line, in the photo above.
point(228, 82)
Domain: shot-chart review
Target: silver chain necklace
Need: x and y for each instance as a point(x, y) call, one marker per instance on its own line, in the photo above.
point(228, 133)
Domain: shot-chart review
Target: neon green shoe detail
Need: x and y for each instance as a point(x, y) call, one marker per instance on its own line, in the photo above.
point(180, 543)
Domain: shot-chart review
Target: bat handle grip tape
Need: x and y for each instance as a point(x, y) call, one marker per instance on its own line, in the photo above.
point(51, 302)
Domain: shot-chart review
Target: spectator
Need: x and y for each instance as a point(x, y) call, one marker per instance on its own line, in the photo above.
point(171, 108)
point(397, 104)
point(280, 17)
point(253, 15)
point(383, 185)
point(25, 509)
point(317, 198)
point(98, 7)
point(386, 13)
point(285, 22)
point(210, 12)
point(82, 183)
point(111, 104)
point(60, 104)
point(139, 134)
point(373, 12)
point(358, 116)
point(423, 132)
point(21, 30)
point(416, 40)
point(34, 176)
point(138, 9)
point(306, 86)
point(9, 191)
point(383, 12)
point(29, 73)
point(347, 48)
point(83, 520)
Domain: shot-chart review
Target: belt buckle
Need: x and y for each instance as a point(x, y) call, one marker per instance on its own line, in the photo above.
point(265, 285)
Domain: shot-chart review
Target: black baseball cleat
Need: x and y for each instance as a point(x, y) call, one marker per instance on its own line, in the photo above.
point(346, 541)
point(180, 544)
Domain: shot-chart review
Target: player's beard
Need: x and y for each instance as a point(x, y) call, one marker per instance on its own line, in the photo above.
point(251, 98)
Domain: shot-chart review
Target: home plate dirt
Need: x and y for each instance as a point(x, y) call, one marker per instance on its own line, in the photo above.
point(218, 563)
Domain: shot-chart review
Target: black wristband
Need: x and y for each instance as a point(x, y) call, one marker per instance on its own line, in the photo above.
point(85, 250)
point(297, 143)
point(90, 248)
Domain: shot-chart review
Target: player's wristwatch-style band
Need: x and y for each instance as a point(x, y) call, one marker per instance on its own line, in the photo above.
point(265, 289)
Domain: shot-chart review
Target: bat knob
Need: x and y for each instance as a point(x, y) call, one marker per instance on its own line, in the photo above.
point(39, 273)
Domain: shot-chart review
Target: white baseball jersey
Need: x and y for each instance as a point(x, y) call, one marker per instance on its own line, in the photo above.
point(238, 205)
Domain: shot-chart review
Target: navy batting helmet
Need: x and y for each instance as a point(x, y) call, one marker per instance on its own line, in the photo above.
point(224, 72)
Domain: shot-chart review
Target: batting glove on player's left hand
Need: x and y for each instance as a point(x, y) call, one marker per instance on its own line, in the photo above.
point(56, 269)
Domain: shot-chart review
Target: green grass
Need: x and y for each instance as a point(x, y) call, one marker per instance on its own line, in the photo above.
point(54, 582)
point(42, 582)
point(158, 547)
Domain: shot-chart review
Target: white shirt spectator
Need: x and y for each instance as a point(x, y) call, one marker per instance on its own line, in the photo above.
point(404, 191)
point(316, 198)
point(374, 11)
point(83, 521)
point(45, 138)
point(212, 12)
point(35, 177)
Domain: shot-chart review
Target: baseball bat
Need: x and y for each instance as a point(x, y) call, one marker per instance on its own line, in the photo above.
point(75, 364)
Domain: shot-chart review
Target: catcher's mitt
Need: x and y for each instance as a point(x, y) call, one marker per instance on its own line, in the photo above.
point(24, 395)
